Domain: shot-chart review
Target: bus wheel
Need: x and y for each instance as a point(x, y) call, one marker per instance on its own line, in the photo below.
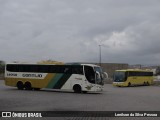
point(144, 83)
point(28, 86)
point(77, 89)
point(147, 84)
point(84, 92)
point(20, 85)
point(129, 84)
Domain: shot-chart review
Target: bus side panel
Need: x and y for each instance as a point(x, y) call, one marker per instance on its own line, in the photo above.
point(11, 81)
point(36, 83)
point(74, 79)
point(149, 80)
point(77, 79)
point(43, 83)
point(135, 80)
point(58, 81)
point(53, 80)
point(139, 80)
point(80, 80)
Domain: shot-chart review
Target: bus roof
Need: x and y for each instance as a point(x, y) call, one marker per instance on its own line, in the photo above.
point(137, 70)
point(93, 65)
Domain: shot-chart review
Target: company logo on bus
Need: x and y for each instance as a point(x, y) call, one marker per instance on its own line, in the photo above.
point(11, 74)
point(32, 75)
point(26, 75)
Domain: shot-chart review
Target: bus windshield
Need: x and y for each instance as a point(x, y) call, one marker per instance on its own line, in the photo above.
point(119, 76)
point(98, 69)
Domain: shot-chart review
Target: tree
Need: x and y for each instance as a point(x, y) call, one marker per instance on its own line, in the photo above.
point(2, 67)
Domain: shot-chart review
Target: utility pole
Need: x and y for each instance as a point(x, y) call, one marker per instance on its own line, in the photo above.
point(100, 55)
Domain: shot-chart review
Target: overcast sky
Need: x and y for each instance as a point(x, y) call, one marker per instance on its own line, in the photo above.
point(71, 30)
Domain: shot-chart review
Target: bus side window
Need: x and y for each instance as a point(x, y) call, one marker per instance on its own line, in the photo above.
point(77, 70)
point(56, 69)
point(67, 70)
point(12, 68)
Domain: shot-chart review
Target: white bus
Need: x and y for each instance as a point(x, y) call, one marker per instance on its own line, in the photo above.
point(76, 77)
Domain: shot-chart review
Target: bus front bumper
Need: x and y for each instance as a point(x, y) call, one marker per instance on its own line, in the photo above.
point(118, 84)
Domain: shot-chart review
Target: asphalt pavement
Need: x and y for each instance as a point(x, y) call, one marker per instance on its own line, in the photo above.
point(141, 98)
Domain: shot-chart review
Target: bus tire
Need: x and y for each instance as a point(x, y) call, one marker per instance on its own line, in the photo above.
point(84, 92)
point(77, 88)
point(147, 84)
point(20, 85)
point(37, 89)
point(129, 84)
point(28, 86)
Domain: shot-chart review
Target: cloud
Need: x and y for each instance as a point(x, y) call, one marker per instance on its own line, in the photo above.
point(71, 30)
point(135, 44)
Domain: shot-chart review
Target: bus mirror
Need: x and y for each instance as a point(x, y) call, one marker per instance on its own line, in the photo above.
point(105, 75)
point(98, 77)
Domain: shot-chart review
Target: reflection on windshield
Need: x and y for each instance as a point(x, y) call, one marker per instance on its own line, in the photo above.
point(119, 77)
point(99, 78)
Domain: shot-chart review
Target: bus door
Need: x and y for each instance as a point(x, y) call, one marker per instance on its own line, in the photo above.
point(91, 77)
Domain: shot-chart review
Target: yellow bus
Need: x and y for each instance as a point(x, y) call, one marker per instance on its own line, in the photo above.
point(132, 77)
point(76, 77)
